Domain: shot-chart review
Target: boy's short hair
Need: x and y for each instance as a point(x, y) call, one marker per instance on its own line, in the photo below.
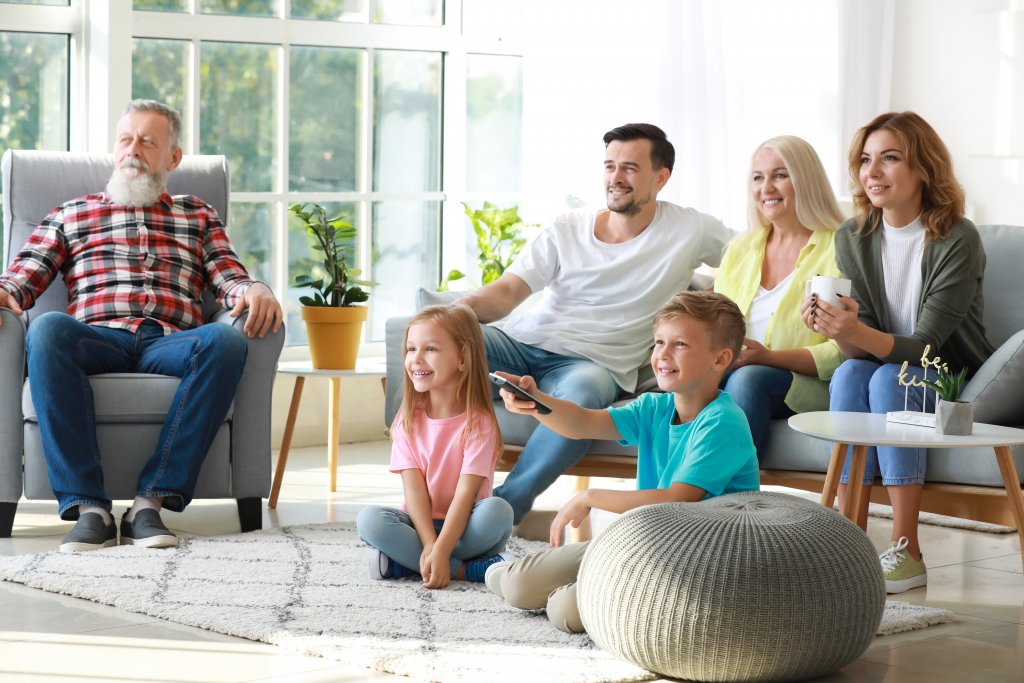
point(718, 312)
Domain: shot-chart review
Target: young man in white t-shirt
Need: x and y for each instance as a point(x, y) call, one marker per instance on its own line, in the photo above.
point(605, 275)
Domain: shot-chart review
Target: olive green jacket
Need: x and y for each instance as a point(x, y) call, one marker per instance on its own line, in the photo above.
point(949, 315)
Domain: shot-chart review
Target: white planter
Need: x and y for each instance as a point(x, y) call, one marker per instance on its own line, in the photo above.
point(955, 418)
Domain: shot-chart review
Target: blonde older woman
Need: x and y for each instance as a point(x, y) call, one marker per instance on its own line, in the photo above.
point(784, 367)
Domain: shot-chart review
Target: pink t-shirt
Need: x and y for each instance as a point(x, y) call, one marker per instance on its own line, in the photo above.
point(435, 447)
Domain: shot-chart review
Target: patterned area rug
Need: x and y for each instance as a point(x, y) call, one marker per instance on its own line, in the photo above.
point(306, 588)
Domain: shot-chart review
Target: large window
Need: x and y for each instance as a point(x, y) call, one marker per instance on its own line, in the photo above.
point(381, 110)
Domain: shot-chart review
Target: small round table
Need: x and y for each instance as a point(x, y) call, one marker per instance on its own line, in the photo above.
point(862, 430)
point(302, 370)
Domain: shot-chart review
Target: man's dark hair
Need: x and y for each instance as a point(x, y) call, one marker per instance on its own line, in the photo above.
point(663, 154)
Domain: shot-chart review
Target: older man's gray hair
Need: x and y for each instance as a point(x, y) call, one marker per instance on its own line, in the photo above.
point(172, 116)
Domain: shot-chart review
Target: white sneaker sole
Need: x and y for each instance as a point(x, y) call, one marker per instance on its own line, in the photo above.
point(152, 542)
point(78, 547)
point(903, 585)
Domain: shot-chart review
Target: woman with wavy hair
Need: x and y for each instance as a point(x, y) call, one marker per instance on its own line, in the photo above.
point(916, 266)
point(784, 367)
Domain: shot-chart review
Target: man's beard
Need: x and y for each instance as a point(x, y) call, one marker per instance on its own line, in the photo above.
point(140, 188)
point(630, 208)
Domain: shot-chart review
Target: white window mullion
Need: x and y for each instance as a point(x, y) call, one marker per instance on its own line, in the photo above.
point(364, 181)
point(281, 207)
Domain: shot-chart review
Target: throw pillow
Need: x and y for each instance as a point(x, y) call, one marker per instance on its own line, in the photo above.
point(995, 388)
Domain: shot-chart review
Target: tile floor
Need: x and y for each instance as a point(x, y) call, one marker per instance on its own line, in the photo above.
point(46, 637)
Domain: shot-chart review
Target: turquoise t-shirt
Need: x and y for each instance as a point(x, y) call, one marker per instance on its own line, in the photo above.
point(714, 452)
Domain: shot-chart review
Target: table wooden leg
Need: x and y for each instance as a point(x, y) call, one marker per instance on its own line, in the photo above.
point(856, 486)
point(835, 471)
point(1013, 492)
point(334, 406)
point(286, 441)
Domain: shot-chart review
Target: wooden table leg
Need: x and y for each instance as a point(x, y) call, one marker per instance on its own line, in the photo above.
point(585, 531)
point(1013, 492)
point(286, 441)
point(856, 485)
point(832, 476)
point(334, 408)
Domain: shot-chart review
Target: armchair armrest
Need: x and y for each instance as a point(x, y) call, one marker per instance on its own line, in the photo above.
point(250, 429)
point(12, 377)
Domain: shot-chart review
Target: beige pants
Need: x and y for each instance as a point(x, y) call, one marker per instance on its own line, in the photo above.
point(547, 580)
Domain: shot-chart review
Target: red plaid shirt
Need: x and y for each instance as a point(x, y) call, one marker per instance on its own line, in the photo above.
point(123, 265)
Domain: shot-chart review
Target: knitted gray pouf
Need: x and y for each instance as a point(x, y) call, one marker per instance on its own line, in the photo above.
point(743, 587)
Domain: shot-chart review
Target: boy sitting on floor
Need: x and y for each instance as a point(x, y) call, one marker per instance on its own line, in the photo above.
point(693, 443)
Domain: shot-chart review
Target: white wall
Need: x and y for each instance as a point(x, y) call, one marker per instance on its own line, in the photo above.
point(960, 64)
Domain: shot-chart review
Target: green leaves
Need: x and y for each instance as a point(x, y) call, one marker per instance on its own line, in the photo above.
point(332, 237)
point(947, 385)
point(498, 238)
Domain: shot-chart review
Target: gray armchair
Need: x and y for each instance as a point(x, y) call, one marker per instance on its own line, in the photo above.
point(130, 408)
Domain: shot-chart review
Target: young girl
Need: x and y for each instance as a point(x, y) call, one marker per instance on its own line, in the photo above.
point(916, 264)
point(445, 443)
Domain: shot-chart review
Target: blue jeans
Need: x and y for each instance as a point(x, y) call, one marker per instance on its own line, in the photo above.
point(546, 454)
point(863, 386)
point(63, 352)
point(390, 531)
point(760, 392)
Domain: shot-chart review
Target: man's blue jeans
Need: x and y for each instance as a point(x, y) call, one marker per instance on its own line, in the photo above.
point(63, 352)
point(760, 392)
point(546, 454)
point(390, 531)
point(864, 386)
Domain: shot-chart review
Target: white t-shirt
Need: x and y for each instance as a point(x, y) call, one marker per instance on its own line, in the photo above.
point(902, 251)
point(600, 298)
point(763, 307)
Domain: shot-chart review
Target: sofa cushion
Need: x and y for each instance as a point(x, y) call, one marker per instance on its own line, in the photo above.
point(995, 389)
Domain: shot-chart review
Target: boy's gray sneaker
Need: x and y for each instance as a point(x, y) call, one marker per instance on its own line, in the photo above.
point(90, 533)
point(147, 530)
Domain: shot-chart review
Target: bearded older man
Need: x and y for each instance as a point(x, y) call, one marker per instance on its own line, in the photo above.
point(136, 262)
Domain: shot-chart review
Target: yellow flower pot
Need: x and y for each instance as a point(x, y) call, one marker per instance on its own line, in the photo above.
point(334, 335)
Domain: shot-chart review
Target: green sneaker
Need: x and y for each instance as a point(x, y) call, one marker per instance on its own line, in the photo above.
point(902, 572)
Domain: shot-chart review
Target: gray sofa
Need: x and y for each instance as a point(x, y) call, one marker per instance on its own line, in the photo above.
point(130, 408)
point(961, 482)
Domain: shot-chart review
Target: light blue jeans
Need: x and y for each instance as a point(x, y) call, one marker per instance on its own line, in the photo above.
point(863, 386)
point(547, 454)
point(390, 531)
point(760, 392)
point(63, 352)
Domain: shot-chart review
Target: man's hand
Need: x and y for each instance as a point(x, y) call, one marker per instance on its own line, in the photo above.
point(8, 301)
point(572, 513)
point(264, 310)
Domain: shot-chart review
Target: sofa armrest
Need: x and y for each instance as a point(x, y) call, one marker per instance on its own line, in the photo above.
point(12, 377)
point(394, 338)
point(250, 425)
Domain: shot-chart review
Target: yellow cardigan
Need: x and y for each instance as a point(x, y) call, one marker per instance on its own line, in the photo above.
point(739, 278)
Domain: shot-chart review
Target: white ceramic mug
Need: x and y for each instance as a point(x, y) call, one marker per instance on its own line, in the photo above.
point(828, 289)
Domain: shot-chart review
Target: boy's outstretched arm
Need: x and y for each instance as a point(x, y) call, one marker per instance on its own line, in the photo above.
point(566, 418)
point(573, 512)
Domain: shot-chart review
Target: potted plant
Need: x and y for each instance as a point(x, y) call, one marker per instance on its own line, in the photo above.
point(952, 416)
point(334, 322)
point(499, 237)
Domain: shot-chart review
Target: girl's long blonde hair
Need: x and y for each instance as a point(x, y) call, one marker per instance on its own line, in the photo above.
point(473, 391)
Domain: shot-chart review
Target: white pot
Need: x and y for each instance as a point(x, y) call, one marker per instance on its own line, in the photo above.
point(955, 418)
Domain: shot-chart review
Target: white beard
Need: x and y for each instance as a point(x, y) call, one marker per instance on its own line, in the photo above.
point(134, 185)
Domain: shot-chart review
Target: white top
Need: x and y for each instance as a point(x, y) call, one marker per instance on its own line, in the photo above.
point(871, 429)
point(763, 307)
point(902, 251)
point(600, 298)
